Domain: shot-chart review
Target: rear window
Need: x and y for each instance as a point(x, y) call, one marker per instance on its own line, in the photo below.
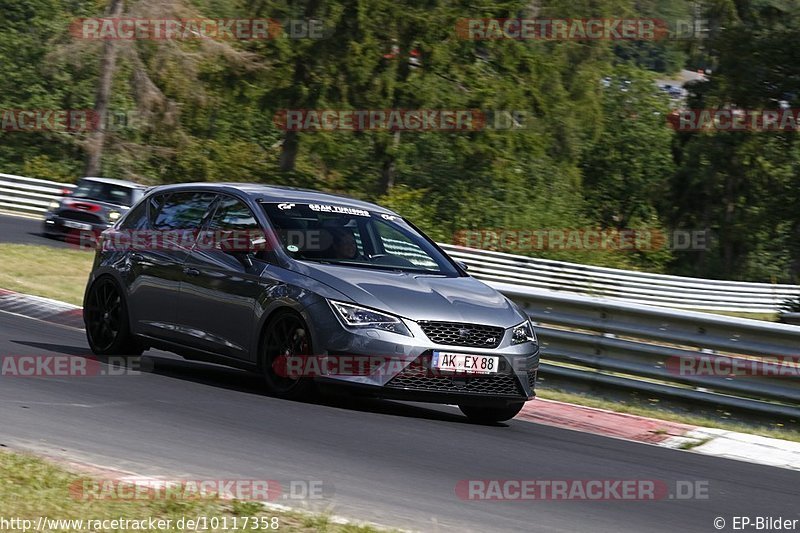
point(107, 192)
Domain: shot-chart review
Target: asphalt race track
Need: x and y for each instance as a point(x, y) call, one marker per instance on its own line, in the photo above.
point(388, 462)
point(20, 230)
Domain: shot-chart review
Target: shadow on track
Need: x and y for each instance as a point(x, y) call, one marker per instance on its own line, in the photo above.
point(82, 351)
point(175, 367)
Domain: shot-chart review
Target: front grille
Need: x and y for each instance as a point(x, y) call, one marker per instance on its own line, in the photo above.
point(460, 334)
point(81, 216)
point(418, 377)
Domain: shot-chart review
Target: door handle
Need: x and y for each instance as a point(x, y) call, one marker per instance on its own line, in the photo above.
point(191, 271)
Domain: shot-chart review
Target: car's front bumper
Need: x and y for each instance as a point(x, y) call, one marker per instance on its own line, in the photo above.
point(477, 390)
point(404, 372)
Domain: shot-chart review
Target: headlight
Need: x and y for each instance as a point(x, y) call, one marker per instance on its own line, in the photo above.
point(523, 333)
point(53, 206)
point(113, 216)
point(355, 316)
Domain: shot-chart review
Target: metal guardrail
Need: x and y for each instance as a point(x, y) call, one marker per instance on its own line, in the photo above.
point(631, 286)
point(676, 354)
point(33, 196)
point(615, 327)
point(29, 195)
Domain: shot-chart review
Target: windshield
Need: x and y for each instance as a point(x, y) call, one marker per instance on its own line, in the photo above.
point(106, 192)
point(342, 235)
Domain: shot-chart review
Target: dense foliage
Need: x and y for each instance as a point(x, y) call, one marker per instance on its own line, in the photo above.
point(592, 149)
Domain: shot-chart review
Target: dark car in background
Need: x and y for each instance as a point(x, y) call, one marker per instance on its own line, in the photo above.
point(94, 205)
point(318, 284)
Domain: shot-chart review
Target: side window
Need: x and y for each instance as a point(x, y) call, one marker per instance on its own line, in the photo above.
point(182, 210)
point(154, 204)
point(233, 227)
point(136, 218)
point(232, 215)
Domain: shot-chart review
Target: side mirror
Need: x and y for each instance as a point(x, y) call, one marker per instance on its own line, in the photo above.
point(246, 257)
point(462, 265)
point(258, 243)
point(242, 247)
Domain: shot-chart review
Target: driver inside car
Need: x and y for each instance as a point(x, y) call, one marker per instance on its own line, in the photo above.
point(344, 244)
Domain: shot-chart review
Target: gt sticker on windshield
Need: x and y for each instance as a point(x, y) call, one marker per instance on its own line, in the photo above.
point(327, 208)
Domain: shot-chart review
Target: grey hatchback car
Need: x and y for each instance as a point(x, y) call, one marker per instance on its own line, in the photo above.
point(307, 288)
point(90, 208)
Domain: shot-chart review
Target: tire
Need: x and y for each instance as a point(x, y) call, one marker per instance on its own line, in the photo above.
point(105, 316)
point(491, 415)
point(286, 335)
point(46, 232)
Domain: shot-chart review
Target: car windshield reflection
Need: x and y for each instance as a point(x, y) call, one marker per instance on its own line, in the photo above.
point(353, 237)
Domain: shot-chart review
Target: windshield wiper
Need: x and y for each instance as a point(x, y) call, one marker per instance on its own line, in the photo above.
point(394, 268)
point(391, 268)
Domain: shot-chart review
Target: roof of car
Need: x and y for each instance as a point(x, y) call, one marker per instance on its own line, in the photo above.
point(278, 193)
point(112, 181)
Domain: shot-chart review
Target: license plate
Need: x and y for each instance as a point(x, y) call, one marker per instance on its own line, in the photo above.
point(465, 363)
point(77, 225)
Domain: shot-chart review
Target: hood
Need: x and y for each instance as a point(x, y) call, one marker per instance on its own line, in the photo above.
point(418, 296)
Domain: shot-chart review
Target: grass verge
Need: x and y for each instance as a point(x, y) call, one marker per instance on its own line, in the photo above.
point(31, 488)
point(767, 317)
point(776, 431)
point(55, 273)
